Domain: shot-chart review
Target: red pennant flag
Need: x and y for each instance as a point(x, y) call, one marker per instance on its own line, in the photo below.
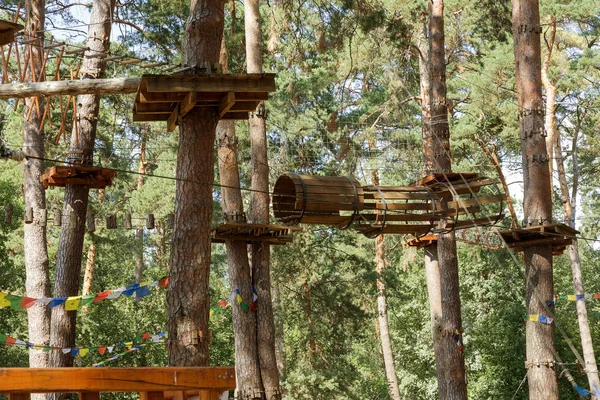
point(597, 295)
point(253, 306)
point(11, 340)
point(222, 303)
point(102, 350)
point(101, 296)
point(28, 302)
point(164, 282)
point(145, 336)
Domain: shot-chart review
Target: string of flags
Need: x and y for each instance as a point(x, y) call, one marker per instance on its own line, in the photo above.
point(237, 297)
point(72, 303)
point(83, 351)
point(577, 297)
point(128, 351)
point(541, 319)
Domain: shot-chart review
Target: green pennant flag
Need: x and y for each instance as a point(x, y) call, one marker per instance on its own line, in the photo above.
point(88, 299)
point(15, 301)
point(46, 349)
point(137, 339)
point(2, 338)
point(245, 306)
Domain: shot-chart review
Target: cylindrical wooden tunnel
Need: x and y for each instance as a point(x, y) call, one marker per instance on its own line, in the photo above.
point(57, 220)
point(150, 221)
point(91, 222)
point(111, 221)
point(170, 220)
point(28, 215)
point(8, 214)
point(319, 200)
point(127, 221)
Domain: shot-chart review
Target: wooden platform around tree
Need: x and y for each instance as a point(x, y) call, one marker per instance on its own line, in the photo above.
point(272, 234)
point(7, 31)
point(558, 235)
point(151, 383)
point(93, 177)
point(169, 98)
point(422, 241)
point(451, 177)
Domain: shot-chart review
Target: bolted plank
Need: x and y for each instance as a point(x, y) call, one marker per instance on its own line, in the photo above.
point(226, 103)
point(173, 120)
point(188, 102)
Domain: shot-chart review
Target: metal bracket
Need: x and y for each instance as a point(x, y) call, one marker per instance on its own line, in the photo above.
point(529, 28)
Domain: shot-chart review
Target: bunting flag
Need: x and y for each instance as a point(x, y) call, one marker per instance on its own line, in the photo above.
point(236, 296)
point(541, 319)
point(577, 297)
point(72, 303)
point(83, 351)
point(128, 351)
point(581, 391)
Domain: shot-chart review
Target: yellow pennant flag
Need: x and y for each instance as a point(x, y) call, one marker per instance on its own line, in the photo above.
point(571, 297)
point(83, 352)
point(72, 303)
point(212, 312)
point(129, 344)
point(534, 317)
point(3, 301)
point(38, 346)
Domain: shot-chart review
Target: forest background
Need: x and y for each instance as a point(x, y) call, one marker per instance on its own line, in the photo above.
point(347, 104)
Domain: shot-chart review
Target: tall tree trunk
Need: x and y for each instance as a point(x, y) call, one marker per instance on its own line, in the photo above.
point(139, 231)
point(537, 203)
point(432, 266)
point(35, 248)
point(569, 215)
point(72, 231)
point(189, 266)
point(259, 212)
point(90, 264)
point(244, 322)
point(550, 89)
point(454, 384)
point(382, 315)
point(279, 332)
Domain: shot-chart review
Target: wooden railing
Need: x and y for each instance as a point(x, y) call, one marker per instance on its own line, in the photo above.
point(176, 383)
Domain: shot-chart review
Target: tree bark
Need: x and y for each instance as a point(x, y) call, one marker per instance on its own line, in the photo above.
point(550, 89)
point(244, 322)
point(589, 356)
point(537, 203)
point(382, 315)
point(73, 88)
point(35, 247)
point(453, 383)
point(259, 211)
point(90, 264)
point(72, 231)
point(188, 292)
point(432, 267)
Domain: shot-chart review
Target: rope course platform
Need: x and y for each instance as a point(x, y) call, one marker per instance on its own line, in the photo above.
point(170, 97)
point(7, 31)
point(271, 234)
point(151, 383)
point(93, 177)
point(558, 235)
point(422, 241)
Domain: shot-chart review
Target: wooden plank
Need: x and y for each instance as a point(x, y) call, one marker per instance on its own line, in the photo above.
point(71, 87)
point(160, 97)
point(140, 379)
point(211, 83)
point(154, 395)
point(235, 115)
point(150, 117)
point(173, 120)
point(153, 108)
point(19, 396)
point(89, 396)
point(399, 196)
point(188, 102)
point(226, 103)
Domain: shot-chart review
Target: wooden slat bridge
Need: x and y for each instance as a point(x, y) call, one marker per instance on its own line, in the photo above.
point(177, 383)
point(93, 177)
point(558, 235)
point(170, 97)
point(271, 234)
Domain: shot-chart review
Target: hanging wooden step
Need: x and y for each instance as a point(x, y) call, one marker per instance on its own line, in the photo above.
point(466, 199)
point(271, 234)
point(93, 177)
point(7, 31)
point(558, 235)
point(170, 97)
point(422, 241)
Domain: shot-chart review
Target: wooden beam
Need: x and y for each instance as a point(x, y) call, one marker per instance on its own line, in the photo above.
point(212, 83)
point(141, 379)
point(173, 120)
point(235, 115)
point(73, 88)
point(188, 102)
point(153, 108)
point(226, 103)
point(150, 117)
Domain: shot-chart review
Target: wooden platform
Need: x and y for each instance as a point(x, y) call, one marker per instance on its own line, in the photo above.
point(150, 383)
point(422, 241)
point(169, 98)
point(93, 177)
point(7, 31)
point(433, 179)
point(558, 235)
point(272, 234)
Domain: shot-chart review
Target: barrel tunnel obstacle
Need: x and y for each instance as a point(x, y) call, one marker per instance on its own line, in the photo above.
point(436, 203)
